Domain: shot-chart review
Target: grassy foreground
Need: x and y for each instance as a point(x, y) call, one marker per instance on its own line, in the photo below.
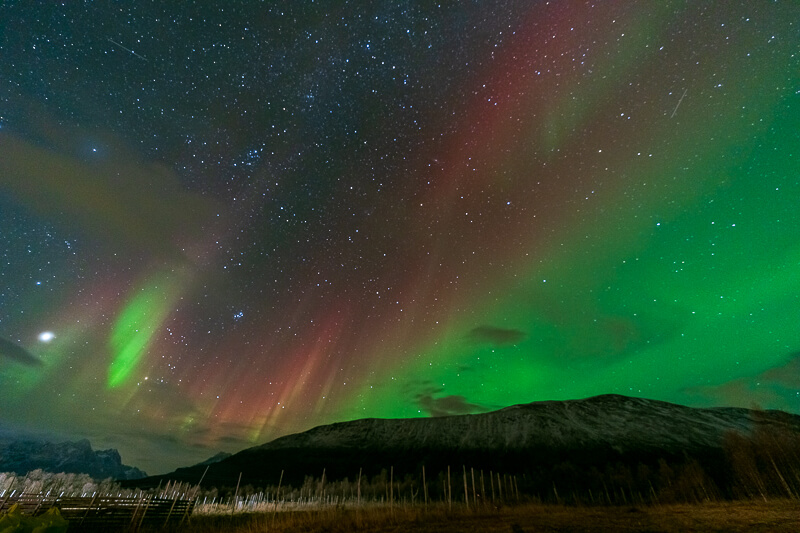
point(772, 516)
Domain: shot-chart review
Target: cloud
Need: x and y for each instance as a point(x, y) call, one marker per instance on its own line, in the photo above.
point(115, 197)
point(775, 388)
point(495, 336)
point(580, 327)
point(447, 405)
point(787, 375)
point(13, 352)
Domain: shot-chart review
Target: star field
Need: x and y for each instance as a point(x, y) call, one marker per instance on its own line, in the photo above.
point(223, 222)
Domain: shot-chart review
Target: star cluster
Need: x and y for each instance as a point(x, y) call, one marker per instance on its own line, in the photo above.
point(226, 221)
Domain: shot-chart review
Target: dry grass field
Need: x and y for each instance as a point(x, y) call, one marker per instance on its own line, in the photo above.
point(749, 516)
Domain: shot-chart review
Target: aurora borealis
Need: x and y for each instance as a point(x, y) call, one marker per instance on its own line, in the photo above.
point(241, 219)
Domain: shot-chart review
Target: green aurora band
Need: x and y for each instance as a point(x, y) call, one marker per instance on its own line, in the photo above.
point(138, 321)
point(680, 280)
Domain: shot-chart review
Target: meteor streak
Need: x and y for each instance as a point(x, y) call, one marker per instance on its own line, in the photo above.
point(679, 103)
point(126, 48)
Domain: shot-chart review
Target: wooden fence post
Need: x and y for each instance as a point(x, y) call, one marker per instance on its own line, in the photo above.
point(474, 493)
point(236, 494)
point(466, 494)
point(449, 490)
point(425, 486)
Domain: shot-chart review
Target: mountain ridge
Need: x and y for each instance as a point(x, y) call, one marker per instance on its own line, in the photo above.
point(22, 455)
point(545, 418)
point(524, 436)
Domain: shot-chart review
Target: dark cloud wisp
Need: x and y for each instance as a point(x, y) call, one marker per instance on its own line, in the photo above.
point(496, 336)
point(13, 352)
point(447, 405)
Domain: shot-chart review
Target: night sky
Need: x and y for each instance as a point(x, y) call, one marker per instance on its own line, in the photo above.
point(222, 222)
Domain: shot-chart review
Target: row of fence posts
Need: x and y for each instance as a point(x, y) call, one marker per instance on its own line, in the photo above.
point(501, 489)
point(141, 502)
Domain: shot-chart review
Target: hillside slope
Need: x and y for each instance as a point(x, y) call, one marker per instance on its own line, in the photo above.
point(592, 431)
